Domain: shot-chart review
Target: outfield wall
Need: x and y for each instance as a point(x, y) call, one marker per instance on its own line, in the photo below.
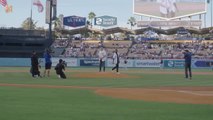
point(92, 62)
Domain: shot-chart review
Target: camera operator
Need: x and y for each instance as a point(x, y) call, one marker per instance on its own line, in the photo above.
point(60, 68)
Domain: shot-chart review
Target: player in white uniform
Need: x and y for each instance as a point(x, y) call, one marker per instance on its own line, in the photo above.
point(102, 58)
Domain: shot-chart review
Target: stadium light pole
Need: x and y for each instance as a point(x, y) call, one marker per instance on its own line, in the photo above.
point(210, 2)
point(211, 12)
point(205, 20)
point(31, 15)
point(50, 24)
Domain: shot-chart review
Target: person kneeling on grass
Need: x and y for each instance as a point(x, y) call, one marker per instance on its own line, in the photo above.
point(60, 68)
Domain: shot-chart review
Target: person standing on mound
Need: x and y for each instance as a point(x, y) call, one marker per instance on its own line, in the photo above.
point(102, 58)
point(116, 61)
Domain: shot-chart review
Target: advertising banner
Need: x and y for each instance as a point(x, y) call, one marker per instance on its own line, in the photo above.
point(147, 63)
point(129, 63)
point(196, 63)
point(74, 62)
point(71, 62)
point(105, 21)
point(184, 23)
point(89, 62)
point(173, 63)
point(202, 64)
point(74, 21)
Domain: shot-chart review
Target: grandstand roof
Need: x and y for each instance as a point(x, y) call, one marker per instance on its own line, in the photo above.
point(135, 32)
point(80, 31)
point(118, 30)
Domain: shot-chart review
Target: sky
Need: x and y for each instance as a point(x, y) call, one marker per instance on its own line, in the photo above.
point(122, 9)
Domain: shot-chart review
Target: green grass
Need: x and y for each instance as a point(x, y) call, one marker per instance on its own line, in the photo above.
point(144, 80)
point(18, 103)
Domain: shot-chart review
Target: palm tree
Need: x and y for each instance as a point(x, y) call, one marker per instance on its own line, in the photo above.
point(58, 23)
point(28, 24)
point(88, 24)
point(40, 28)
point(132, 22)
point(91, 17)
point(58, 26)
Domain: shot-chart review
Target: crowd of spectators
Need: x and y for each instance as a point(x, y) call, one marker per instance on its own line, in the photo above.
point(135, 50)
point(80, 49)
point(146, 50)
point(59, 43)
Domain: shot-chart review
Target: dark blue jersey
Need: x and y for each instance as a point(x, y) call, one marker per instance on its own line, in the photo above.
point(188, 57)
point(47, 58)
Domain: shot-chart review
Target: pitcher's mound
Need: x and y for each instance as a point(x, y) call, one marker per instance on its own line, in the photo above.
point(102, 75)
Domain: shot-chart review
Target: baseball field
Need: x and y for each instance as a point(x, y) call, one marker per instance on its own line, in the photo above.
point(134, 94)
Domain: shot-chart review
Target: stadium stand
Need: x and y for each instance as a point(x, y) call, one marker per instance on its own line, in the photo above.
point(136, 50)
point(144, 43)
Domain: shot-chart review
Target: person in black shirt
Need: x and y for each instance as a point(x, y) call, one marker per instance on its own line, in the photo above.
point(60, 68)
point(116, 61)
point(35, 65)
point(211, 65)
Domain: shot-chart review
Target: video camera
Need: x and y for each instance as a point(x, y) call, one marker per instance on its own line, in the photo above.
point(64, 63)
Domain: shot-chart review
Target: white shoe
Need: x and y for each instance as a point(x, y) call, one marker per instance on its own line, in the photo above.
point(59, 76)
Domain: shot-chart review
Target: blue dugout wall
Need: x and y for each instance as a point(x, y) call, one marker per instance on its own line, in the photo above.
point(73, 62)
